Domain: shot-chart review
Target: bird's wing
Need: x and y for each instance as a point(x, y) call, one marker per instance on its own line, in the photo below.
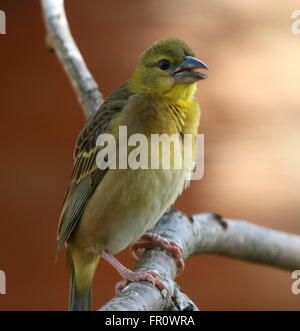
point(86, 175)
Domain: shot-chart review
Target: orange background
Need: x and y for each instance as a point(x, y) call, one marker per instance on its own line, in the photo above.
point(250, 118)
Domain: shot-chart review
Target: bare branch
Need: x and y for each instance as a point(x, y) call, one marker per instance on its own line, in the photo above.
point(204, 233)
point(60, 40)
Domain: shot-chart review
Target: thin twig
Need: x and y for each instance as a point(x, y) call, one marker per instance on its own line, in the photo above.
point(59, 39)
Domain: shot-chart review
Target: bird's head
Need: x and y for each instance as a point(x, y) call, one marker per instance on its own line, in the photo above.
point(167, 69)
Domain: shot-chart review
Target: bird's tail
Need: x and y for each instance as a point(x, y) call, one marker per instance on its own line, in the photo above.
point(77, 303)
point(81, 268)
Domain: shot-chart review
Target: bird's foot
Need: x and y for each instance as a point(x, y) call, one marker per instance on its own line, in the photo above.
point(150, 240)
point(136, 276)
point(133, 276)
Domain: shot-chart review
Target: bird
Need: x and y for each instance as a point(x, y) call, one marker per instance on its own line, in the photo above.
point(106, 210)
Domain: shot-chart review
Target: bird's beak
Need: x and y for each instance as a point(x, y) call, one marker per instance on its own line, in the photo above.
point(185, 72)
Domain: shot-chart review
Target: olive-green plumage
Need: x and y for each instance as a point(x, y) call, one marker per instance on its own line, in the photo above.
point(109, 209)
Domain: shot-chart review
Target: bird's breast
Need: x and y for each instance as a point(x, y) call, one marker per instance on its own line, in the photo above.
point(126, 205)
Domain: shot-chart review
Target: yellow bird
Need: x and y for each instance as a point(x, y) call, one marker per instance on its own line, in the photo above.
point(105, 209)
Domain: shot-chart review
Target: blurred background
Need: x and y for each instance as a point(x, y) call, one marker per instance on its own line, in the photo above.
point(250, 118)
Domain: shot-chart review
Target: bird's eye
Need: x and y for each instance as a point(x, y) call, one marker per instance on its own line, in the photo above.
point(164, 64)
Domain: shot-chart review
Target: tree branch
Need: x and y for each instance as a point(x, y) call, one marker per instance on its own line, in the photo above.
point(203, 233)
point(60, 40)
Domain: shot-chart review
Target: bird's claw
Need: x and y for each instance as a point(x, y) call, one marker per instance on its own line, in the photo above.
point(150, 240)
point(149, 276)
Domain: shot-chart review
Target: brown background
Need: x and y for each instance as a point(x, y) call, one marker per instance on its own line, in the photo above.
point(251, 121)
